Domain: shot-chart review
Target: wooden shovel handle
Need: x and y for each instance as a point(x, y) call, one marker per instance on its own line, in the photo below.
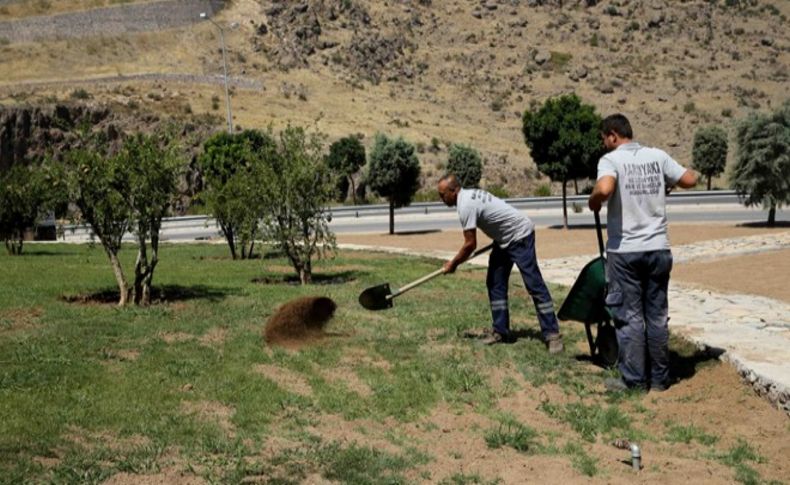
point(436, 273)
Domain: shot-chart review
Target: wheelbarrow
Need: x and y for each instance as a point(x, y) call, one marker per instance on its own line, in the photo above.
point(586, 303)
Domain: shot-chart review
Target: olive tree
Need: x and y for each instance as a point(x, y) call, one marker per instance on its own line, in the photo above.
point(564, 140)
point(346, 157)
point(297, 192)
point(393, 172)
point(761, 175)
point(465, 163)
point(232, 170)
point(709, 154)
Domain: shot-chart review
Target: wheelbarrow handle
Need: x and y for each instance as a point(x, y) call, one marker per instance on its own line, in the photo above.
point(599, 232)
point(436, 273)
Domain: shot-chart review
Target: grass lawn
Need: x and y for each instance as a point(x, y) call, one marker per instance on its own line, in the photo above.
point(188, 392)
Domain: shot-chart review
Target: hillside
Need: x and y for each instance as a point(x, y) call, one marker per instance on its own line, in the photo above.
point(435, 71)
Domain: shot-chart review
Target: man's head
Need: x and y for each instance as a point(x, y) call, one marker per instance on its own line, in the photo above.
point(615, 130)
point(448, 189)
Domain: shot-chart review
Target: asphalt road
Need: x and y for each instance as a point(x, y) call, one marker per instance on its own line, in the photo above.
point(423, 217)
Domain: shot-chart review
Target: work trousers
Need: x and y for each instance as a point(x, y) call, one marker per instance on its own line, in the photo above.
point(637, 299)
point(500, 264)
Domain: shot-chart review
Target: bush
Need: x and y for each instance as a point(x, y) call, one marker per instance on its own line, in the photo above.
point(543, 190)
point(394, 172)
point(498, 191)
point(709, 154)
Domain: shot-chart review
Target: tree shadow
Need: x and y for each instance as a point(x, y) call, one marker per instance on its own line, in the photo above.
point(417, 232)
point(159, 295)
point(337, 278)
point(764, 224)
point(575, 227)
point(529, 333)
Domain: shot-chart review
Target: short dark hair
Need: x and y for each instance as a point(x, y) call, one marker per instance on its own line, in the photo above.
point(617, 123)
point(452, 181)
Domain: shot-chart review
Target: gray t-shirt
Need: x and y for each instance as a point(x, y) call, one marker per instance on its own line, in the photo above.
point(498, 220)
point(636, 215)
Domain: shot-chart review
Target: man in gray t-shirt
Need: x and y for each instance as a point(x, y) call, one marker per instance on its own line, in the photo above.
point(635, 179)
point(514, 237)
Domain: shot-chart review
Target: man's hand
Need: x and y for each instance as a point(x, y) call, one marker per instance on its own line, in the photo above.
point(594, 204)
point(448, 267)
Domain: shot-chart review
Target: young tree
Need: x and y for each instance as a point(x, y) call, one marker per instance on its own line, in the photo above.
point(394, 172)
point(23, 198)
point(232, 171)
point(564, 140)
point(762, 164)
point(709, 155)
point(153, 163)
point(297, 193)
point(346, 157)
point(465, 163)
point(98, 184)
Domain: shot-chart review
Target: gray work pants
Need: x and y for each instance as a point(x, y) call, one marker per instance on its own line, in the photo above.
point(637, 298)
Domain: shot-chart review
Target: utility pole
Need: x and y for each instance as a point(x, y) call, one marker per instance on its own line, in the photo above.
point(205, 16)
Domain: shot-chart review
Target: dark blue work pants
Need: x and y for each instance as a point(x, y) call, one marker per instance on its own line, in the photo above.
point(500, 264)
point(637, 298)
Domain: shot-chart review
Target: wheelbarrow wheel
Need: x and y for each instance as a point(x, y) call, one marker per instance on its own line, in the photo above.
point(606, 344)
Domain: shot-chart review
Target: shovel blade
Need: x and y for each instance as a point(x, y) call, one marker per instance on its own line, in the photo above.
point(376, 297)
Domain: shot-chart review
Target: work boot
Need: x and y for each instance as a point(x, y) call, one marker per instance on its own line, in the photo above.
point(615, 384)
point(554, 343)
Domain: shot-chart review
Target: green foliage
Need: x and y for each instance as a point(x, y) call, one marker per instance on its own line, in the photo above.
point(393, 172)
point(346, 157)
point(563, 138)
point(465, 163)
point(24, 195)
point(686, 434)
point(498, 190)
point(590, 420)
point(761, 174)
point(296, 194)
point(581, 460)
point(709, 155)
point(234, 166)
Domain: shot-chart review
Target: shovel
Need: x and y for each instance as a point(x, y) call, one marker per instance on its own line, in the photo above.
point(380, 297)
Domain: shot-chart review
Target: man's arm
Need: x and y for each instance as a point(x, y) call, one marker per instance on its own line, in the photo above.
point(470, 244)
point(688, 180)
point(604, 188)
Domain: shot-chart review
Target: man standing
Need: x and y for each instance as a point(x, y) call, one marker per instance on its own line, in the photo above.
point(635, 179)
point(514, 239)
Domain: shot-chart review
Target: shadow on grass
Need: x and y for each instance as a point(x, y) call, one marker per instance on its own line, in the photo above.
point(682, 367)
point(764, 224)
point(318, 278)
point(159, 295)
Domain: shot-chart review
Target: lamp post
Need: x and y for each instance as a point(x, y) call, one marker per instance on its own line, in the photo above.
point(204, 16)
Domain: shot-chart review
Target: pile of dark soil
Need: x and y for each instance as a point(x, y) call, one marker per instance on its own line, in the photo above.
point(299, 320)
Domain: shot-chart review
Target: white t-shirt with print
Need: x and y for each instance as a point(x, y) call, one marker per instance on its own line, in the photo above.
point(498, 220)
point(636, 212)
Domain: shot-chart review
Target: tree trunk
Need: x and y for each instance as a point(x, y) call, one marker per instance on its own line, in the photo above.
point(772, 216)
point(392, 216)
point(576, 186)
point(709, 177)
point(564, 204)
point(14, 246)
point(353, 189)
point(149, 275)
point(123, 287)
point(306, 273)
point(228, 232)
point(140, 269)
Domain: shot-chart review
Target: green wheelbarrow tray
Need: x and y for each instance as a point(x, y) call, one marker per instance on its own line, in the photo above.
point(586, 303)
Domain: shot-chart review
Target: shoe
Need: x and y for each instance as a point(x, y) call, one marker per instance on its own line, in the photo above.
point(554, 343)
point(496, 338)
point(659, 387)
point(615, 385)
point(483, 333)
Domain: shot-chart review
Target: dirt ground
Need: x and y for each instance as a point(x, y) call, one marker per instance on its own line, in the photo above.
point(762, 274)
